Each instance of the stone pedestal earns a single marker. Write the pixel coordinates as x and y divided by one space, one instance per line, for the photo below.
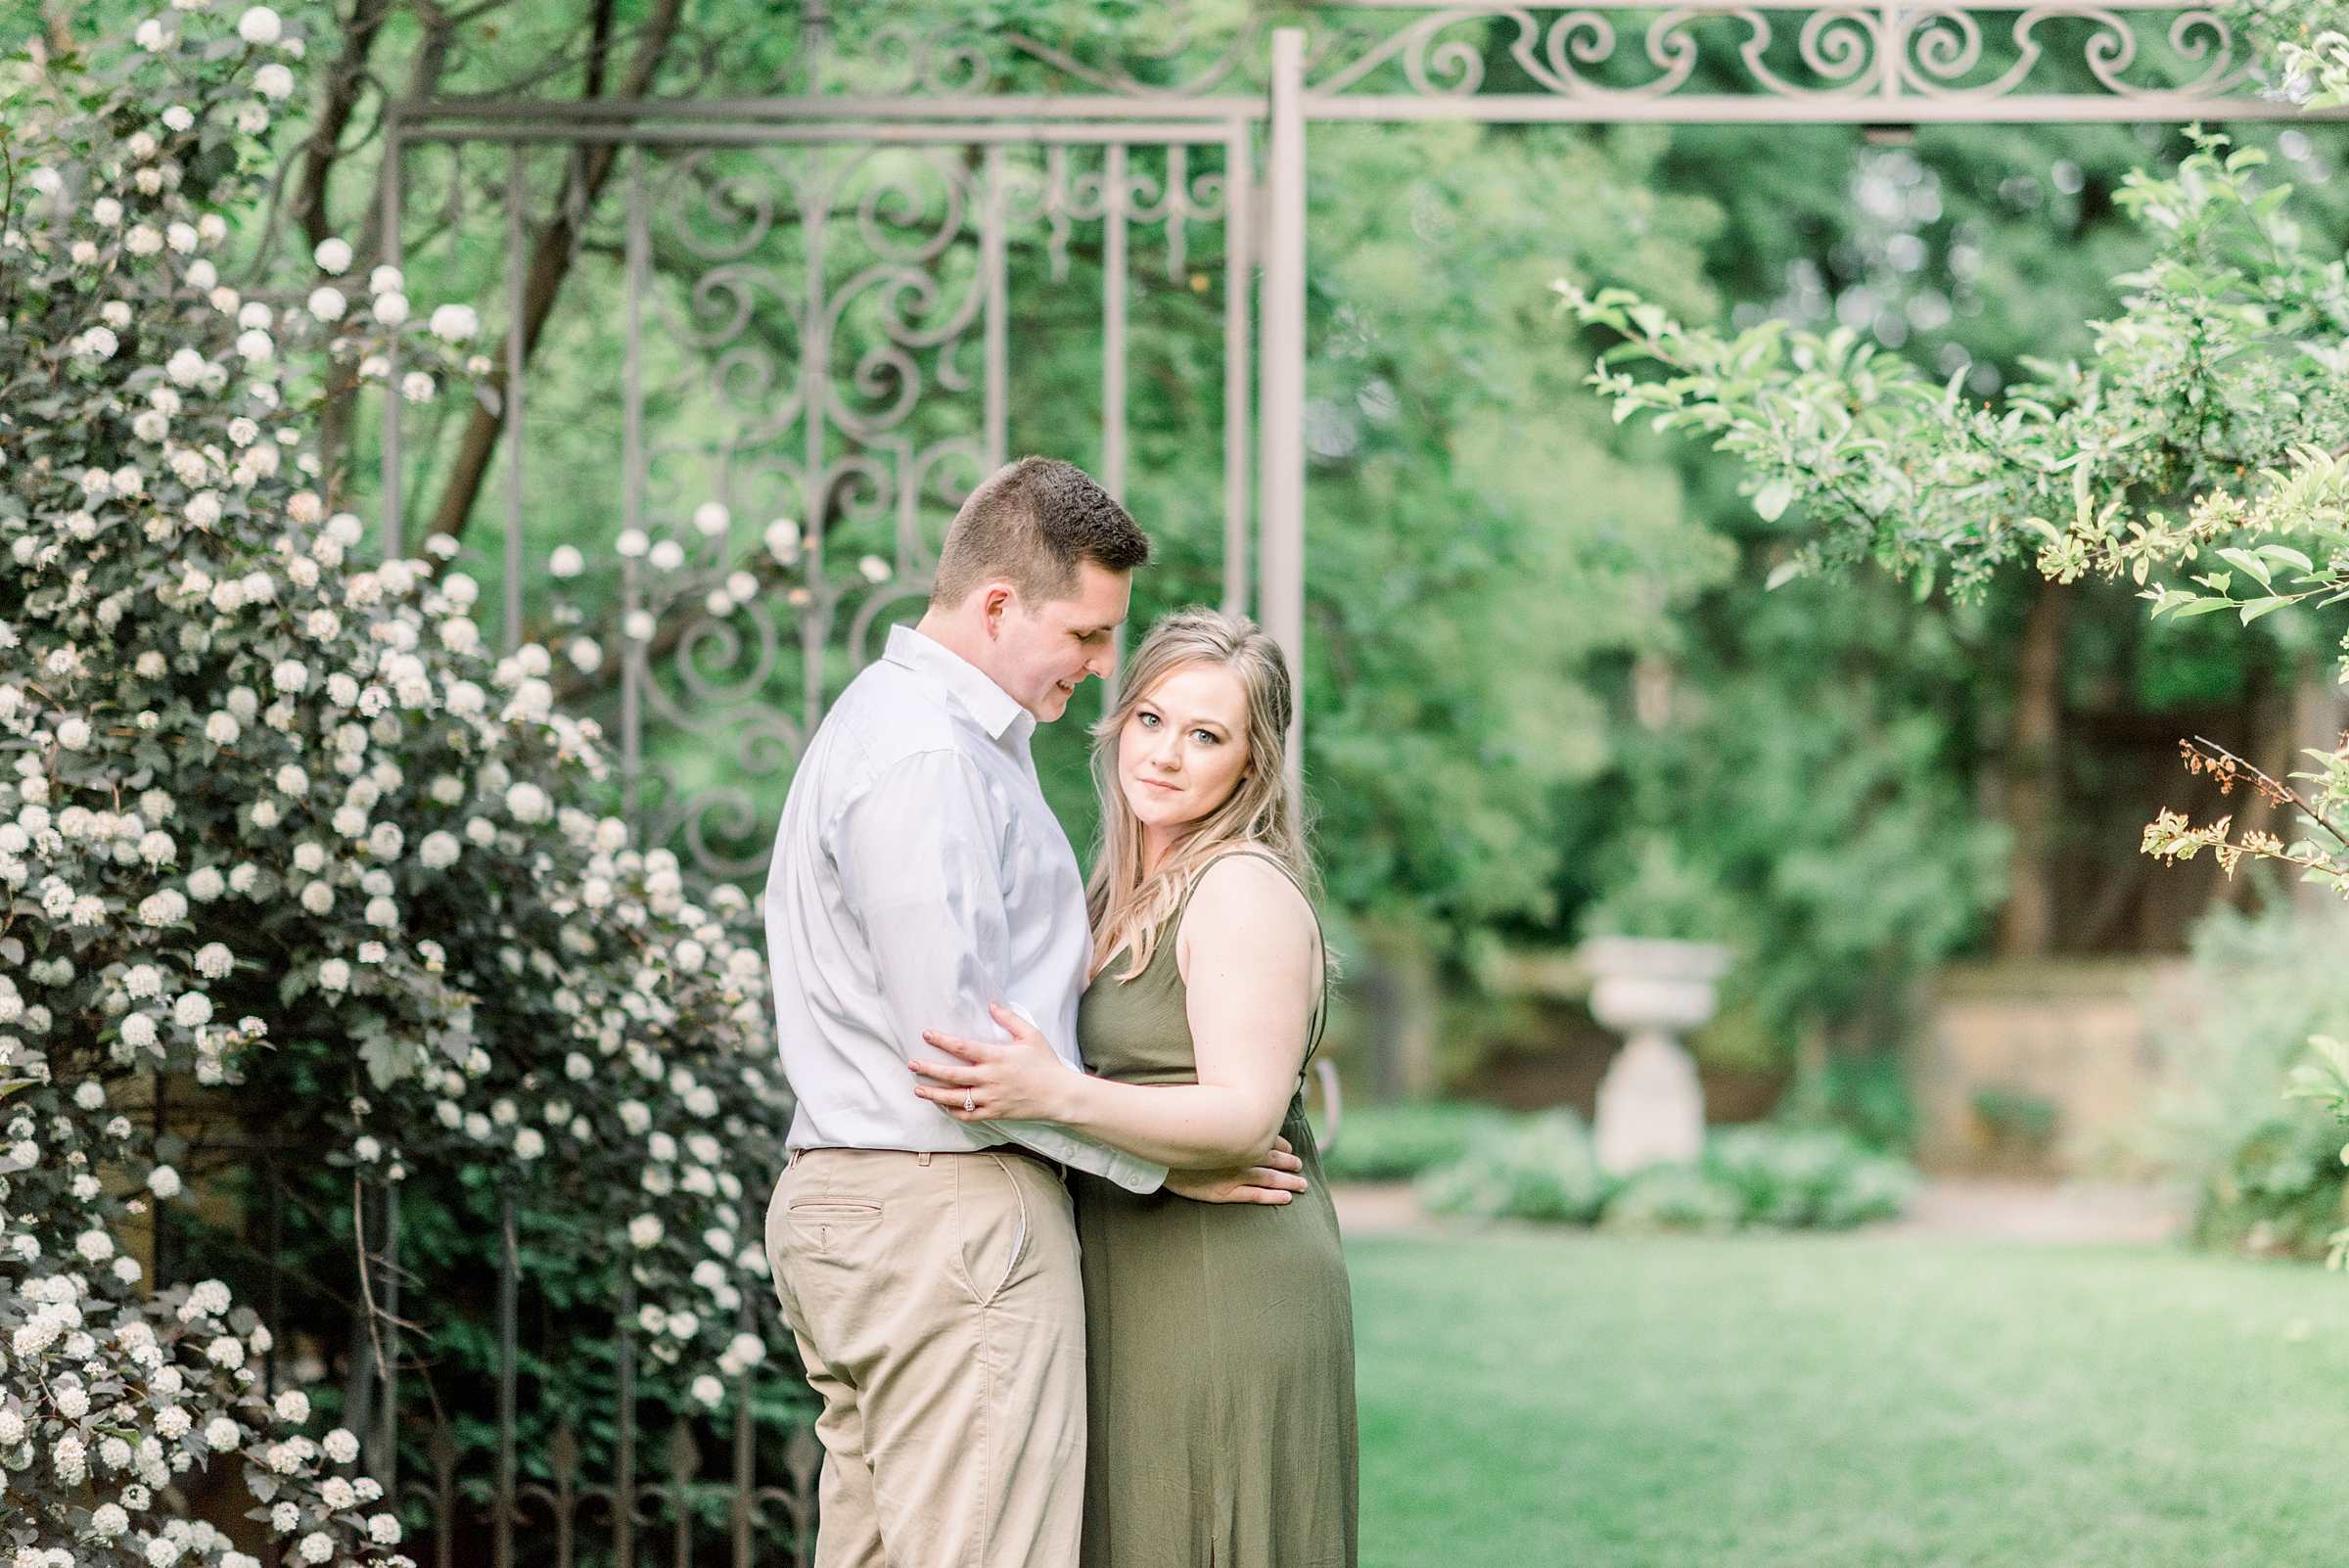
1651 1109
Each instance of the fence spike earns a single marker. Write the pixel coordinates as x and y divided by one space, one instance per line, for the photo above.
509 1288
441 1450
563 1455
684 1454
800 1456
685 1458
624 1473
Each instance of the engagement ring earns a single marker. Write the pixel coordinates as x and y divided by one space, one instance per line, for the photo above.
968 1104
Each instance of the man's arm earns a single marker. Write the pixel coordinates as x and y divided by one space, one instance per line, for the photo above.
1251 956
919 855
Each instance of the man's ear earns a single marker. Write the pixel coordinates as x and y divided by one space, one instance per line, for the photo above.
994 603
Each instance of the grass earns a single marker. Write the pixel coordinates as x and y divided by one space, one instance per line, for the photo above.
1584 1400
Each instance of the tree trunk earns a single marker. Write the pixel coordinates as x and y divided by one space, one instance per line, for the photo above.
549 263
345 80
2033 781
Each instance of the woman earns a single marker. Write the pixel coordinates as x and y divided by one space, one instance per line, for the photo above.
1219 1336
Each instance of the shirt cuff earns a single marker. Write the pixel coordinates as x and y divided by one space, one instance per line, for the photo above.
1053 1142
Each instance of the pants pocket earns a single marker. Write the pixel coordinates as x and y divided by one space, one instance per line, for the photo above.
819 1225
992 1212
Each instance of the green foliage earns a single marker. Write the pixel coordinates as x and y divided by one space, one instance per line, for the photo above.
1799 770
1791 1179
1850 454
1543 1167
2021 1123
2264 1167
2220 363
1815 824
1535 1168
2226 360
251 780
1477 539
1396 1142
1673 1197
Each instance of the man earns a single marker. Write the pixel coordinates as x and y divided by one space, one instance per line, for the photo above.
928 1269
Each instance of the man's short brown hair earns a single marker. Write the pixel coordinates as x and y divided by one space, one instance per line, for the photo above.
1028 523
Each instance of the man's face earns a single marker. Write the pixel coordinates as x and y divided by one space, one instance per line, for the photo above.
1042 651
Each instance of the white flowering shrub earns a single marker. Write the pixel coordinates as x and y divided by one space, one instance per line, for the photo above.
259 806
107 1400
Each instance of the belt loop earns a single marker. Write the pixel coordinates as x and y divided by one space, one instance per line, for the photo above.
922 1159
793 1158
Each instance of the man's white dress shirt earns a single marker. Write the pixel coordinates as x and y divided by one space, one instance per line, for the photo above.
919 876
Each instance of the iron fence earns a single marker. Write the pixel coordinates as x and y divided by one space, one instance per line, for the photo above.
642 1507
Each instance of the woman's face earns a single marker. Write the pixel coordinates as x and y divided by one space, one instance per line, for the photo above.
1185 746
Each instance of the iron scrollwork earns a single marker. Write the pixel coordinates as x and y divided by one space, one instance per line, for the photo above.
822 396
1930 49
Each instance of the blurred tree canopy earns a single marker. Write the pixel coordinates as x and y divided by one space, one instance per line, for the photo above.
1951 733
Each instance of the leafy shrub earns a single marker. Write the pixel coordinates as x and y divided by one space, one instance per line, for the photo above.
2021 1124
1673 1197
1540 1167
269 820
1397 1142
2265 1169
1543 1167
1791 1179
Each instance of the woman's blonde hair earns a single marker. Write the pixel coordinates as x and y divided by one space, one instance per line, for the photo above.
1127 908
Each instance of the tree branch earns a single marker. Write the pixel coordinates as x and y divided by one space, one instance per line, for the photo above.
550 263
345 80
424 79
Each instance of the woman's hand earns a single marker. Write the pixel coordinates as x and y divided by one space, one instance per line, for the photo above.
1019 1080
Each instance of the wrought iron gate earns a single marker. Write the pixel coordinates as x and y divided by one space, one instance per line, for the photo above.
830 333
815 296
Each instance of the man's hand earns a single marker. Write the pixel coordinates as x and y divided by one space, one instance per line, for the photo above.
1270 1183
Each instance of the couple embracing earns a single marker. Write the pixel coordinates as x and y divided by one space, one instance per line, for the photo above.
1053 1239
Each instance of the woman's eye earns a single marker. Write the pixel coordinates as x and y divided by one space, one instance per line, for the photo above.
1205 737
1149 720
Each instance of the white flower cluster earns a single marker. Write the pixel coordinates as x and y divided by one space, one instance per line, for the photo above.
253 786
160 535
117 1401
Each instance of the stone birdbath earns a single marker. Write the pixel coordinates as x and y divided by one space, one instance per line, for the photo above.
1651 1109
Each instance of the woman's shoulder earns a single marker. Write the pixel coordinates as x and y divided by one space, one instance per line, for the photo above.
1249 888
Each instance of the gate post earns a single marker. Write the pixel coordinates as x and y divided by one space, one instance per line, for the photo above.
1281 594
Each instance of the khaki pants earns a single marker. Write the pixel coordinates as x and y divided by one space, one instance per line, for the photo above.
939 1312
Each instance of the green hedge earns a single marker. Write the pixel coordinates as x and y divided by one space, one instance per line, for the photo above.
1485 1164
1397 1142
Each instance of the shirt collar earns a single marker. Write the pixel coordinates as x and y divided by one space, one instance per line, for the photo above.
985 701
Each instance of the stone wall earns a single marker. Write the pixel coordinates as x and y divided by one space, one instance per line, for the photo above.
2043 1067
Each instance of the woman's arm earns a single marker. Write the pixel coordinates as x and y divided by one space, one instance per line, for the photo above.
1251 958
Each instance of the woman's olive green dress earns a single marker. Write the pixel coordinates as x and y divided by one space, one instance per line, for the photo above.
1219 1337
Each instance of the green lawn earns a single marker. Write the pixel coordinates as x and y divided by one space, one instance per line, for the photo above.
1593 1401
